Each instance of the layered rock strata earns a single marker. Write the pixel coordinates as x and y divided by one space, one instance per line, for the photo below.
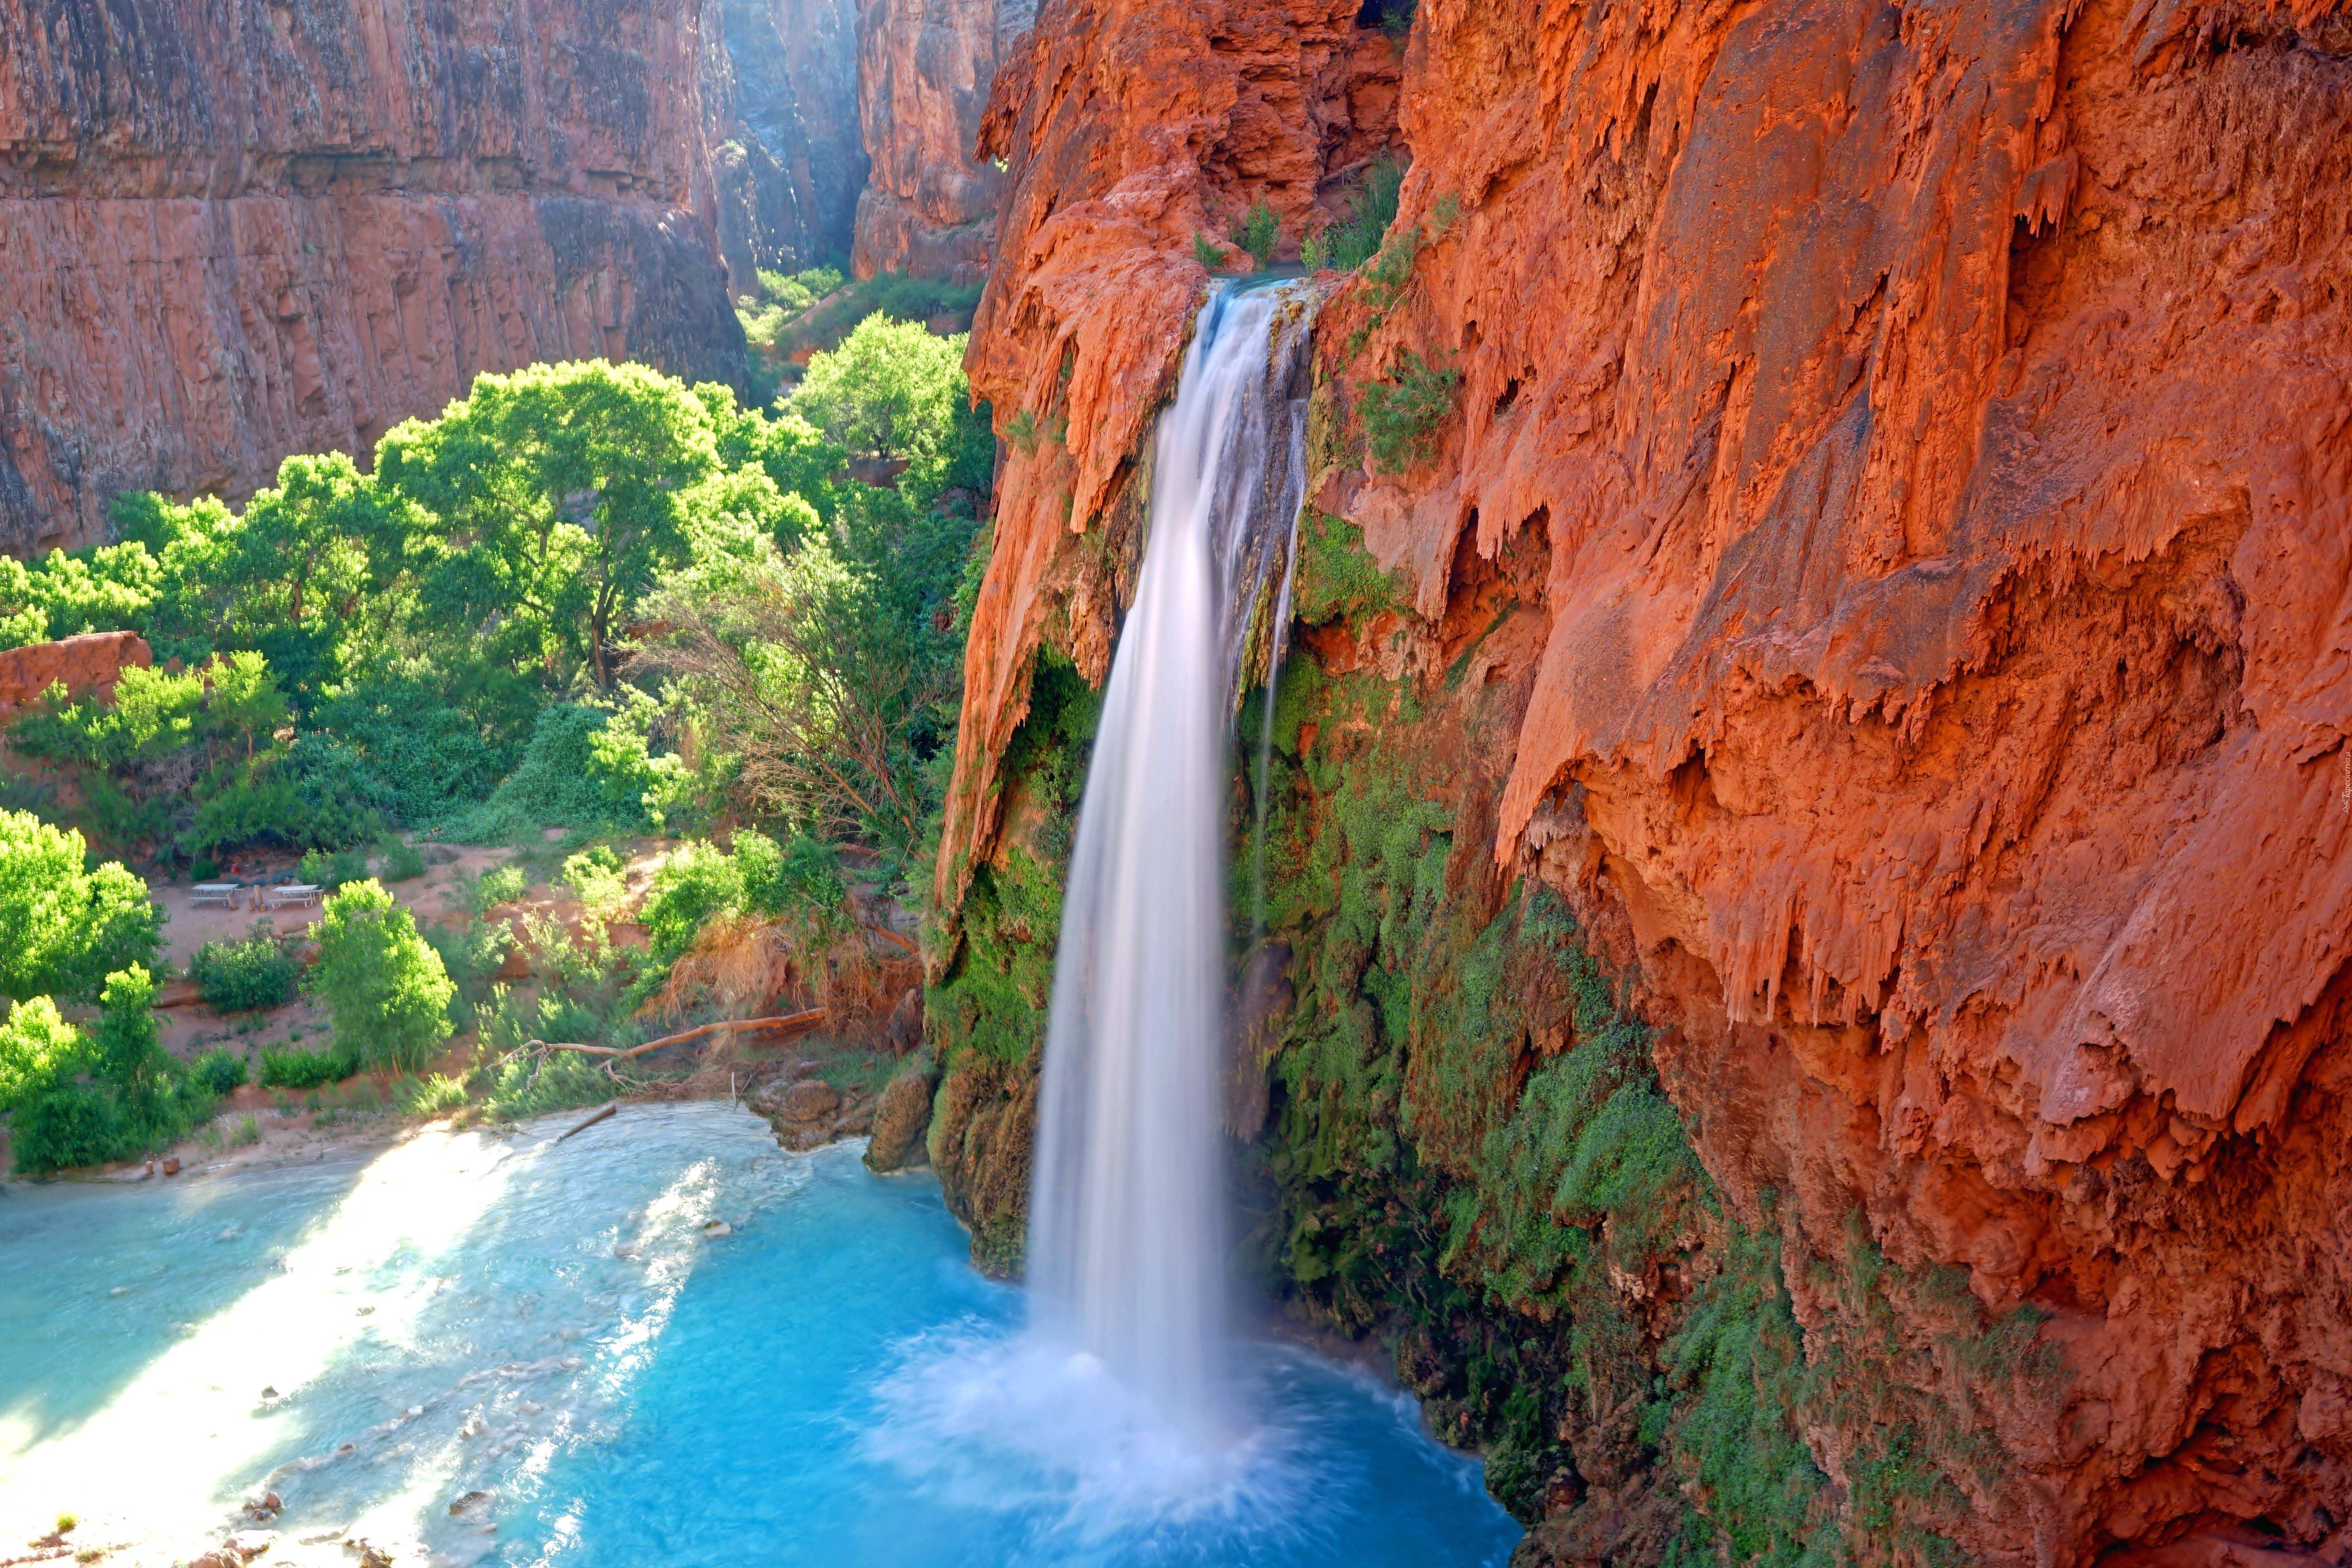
924 69
1893 476
788 153
228 233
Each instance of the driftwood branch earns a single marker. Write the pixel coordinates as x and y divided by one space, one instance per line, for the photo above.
896 940
614 1054
590 1122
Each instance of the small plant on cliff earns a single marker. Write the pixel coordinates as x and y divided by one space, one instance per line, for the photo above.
1401 416
1259 232
1356 239
1206 252
1395 17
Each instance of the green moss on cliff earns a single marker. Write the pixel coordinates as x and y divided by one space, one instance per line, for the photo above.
986 1018
1470 1155
1338 577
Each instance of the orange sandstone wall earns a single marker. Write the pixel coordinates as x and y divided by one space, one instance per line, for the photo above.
92 662
1938 421
230 232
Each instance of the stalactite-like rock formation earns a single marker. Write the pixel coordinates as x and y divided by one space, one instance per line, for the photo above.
231 232
1911 447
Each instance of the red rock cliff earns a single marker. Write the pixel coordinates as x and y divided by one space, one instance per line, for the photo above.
925 69
1938 421
231 232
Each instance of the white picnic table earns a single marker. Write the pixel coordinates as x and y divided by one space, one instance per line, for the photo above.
289 894
214 894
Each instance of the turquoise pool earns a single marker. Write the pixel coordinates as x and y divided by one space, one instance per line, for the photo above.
552 1328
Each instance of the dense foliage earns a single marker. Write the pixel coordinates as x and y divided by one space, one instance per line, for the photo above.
85 1097
235 976
446 641
383 985
66 925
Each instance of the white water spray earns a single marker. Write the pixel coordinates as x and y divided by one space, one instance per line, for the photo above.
1125 1236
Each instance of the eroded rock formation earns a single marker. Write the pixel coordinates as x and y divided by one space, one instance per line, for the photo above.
788 154
231 232
90 663
925 69
1888 566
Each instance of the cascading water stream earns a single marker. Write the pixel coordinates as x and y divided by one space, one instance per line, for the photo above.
1126 1238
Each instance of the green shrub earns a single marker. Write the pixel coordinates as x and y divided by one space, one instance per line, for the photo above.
237 976
1206 252
432 1096
498 885
383 987
562 782
471 955
333 870
112 1094
697 881
1401 416
399 861
301 1069
564 1080
598 878
1259 233
64 925
218 1071
1356 238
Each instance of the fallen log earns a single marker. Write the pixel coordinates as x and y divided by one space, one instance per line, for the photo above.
808 1020
897 939
590 1122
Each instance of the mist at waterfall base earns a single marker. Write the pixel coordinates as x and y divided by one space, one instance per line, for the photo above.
478 1312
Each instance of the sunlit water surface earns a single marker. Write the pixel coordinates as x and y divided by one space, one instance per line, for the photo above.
830 1384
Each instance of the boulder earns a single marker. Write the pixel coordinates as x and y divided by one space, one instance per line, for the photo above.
899 1123
811 1099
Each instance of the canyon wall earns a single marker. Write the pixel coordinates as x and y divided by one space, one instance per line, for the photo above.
779 87
1831 543
230 232
924 69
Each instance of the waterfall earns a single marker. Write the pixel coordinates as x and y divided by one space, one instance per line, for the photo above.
1126 1248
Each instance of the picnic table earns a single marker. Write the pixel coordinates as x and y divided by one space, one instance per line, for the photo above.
215 893
286 895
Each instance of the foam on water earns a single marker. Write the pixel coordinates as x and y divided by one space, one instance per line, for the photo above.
832 1385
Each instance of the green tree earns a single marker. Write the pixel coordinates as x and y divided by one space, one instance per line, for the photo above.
36 1045
560 493
888 394
383 985
64 925
80 1099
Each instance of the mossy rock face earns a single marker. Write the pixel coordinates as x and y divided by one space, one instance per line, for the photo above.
984 1126
1469 1155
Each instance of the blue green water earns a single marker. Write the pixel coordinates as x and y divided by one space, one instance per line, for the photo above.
831 1383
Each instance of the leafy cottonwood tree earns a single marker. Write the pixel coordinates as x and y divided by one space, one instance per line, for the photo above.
560 493
64 926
